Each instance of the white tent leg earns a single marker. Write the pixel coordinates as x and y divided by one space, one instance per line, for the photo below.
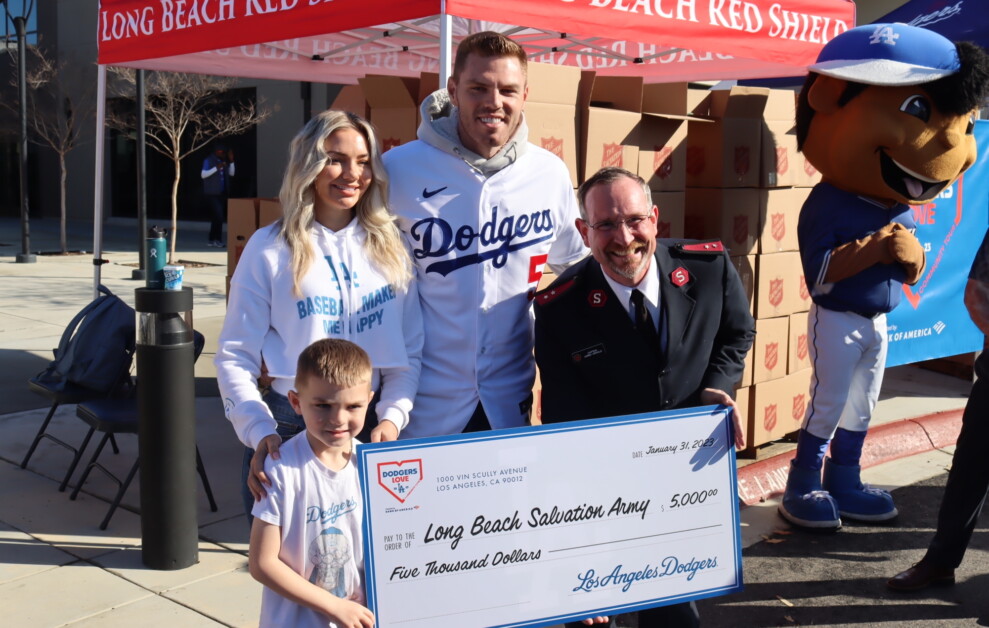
446 45
98 178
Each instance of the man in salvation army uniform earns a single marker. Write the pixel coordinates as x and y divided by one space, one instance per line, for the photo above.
887 116
641 325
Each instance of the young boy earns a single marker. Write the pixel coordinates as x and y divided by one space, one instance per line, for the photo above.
306 537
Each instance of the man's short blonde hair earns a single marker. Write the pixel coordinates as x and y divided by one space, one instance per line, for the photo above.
334 360
488 44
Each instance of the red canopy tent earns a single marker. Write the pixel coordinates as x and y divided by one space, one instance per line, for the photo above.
337 41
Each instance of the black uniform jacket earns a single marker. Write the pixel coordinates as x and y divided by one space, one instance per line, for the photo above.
592 362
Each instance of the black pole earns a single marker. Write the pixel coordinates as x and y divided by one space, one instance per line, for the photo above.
166 441
306 93
20 25
142 188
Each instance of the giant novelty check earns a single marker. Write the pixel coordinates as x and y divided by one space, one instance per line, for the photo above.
540 525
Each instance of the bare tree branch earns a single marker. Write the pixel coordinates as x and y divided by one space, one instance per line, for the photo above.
185 112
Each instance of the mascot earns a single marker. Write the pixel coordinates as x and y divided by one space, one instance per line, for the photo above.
887 116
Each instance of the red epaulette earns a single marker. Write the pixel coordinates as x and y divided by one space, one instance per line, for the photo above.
549 294
711 246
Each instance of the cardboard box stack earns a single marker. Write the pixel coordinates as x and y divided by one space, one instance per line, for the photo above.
746 183
244 217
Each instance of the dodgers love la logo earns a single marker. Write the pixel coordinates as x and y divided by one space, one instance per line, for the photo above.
400 478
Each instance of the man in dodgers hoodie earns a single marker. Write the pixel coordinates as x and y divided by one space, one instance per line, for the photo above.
484 212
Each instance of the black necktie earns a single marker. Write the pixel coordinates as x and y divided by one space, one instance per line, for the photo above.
643 321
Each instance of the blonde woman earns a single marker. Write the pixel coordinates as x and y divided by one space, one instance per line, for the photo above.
334 266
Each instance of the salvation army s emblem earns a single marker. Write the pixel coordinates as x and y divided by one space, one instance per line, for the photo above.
400 478
802 346
680 276
597 298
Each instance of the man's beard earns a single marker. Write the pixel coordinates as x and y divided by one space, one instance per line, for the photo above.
627 270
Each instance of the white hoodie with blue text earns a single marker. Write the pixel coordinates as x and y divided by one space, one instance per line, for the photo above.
343 296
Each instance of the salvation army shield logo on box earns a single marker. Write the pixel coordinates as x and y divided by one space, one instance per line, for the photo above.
662 163
740 229
804 293
775 292
663 229
799 407
400 478
553 145
802 347
389 143
771 359
779 226
769 417
809 168
611 156
782 160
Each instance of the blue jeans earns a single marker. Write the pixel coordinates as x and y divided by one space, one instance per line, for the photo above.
288 425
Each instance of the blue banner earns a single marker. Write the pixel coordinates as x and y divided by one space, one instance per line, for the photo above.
931 321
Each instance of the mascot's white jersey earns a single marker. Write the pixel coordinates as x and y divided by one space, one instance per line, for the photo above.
480 245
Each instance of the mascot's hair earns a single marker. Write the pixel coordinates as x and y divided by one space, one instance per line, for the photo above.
956 94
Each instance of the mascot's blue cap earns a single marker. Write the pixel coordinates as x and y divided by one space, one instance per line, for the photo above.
888 54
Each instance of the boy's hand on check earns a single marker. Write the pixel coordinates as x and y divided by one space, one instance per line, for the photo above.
590 621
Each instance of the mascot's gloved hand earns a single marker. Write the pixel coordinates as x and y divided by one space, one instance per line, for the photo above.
908 251
853 257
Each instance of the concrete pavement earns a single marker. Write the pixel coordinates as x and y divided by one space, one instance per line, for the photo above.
58 569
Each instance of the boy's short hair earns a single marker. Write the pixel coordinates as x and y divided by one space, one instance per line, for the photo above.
334 360
488 44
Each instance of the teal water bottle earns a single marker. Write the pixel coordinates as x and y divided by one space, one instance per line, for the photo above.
154 265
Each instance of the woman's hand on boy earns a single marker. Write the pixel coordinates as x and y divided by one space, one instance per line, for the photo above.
256 479
384 432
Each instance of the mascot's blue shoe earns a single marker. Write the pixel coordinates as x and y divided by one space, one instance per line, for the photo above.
856 500
805 504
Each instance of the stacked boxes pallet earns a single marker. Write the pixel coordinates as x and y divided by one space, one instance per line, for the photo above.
746 183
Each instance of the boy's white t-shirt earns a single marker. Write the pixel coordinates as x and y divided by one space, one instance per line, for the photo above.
320 514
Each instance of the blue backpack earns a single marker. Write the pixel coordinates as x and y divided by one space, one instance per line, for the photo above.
96 349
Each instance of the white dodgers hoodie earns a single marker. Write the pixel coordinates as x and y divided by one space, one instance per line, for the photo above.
343 296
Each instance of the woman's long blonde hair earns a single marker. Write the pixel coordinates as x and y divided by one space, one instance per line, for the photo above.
307 157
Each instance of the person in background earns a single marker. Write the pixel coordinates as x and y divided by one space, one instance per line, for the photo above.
333 266
484 211
218 169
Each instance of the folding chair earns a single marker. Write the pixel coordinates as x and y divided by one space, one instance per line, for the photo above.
119 416
69 394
